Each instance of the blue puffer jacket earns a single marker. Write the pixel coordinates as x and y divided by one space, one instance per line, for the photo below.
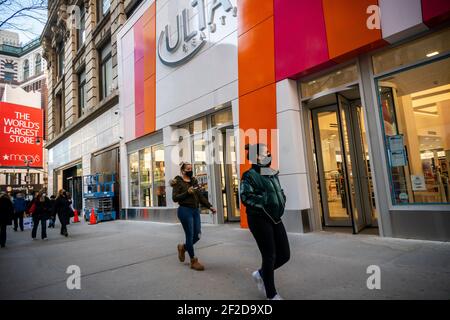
20 205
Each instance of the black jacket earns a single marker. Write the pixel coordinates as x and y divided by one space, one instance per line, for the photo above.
6 211
42 208
62 209
181 195
262 194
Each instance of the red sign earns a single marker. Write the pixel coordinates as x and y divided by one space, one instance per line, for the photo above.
20 129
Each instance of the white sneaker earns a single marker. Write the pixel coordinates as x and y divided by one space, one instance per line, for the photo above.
259 282
277 297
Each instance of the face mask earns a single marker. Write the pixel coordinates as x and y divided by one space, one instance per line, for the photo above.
189 173
266 161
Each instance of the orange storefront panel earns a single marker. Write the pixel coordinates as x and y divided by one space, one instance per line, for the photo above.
256 57
150 48
252 12
346 27
145 70
150 104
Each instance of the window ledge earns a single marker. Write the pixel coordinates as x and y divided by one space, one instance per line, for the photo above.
103 21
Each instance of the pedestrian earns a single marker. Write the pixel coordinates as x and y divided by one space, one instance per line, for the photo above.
52 218
63 210
6 216
20 206
264 199
40 214
188 194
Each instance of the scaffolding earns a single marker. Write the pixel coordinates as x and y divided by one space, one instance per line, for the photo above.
99 195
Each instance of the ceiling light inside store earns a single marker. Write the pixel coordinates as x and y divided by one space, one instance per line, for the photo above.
432 54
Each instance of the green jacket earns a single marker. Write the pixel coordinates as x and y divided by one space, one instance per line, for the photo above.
262 194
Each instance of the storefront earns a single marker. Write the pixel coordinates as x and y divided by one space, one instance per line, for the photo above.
92 148
375 119
178 105
352 105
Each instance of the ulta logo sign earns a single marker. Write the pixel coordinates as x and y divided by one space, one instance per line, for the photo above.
174 51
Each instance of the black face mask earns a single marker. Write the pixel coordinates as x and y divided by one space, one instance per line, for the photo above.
266 161
189 174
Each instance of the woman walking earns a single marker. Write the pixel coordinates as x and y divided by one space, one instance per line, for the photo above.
264 200
6 216
187 193
40 214
63 210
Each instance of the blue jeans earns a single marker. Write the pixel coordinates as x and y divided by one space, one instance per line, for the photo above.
190 220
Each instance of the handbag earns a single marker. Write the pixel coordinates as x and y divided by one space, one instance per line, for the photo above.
32 208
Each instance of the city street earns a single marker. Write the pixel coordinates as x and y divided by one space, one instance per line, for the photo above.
138 260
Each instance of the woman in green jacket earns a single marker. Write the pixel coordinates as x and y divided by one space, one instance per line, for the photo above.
264 199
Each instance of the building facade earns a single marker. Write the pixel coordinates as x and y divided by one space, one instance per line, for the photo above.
21 65
22 82
79 42
351 97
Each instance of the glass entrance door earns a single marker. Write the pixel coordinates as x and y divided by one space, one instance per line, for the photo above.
342 163
331 168
229 183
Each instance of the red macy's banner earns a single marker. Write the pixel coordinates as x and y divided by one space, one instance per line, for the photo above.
19 128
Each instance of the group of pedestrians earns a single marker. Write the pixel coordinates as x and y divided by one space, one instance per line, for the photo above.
40 207
264 199
260 192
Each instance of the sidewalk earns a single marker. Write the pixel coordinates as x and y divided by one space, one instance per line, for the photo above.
138 260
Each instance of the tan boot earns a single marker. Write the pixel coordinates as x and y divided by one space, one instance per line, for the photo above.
196 265
181 252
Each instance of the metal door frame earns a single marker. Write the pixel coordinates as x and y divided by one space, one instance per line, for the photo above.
355 152
320 168
363 173
228 176
359 166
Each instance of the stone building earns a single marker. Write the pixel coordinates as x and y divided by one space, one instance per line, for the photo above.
79 42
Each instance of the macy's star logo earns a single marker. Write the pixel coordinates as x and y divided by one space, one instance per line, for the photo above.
5 157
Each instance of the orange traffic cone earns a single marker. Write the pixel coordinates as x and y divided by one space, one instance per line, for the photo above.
92 218
75 216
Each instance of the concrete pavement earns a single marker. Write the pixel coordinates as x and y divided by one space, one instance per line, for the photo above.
138 260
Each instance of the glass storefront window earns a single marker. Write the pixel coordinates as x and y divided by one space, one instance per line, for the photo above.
145 176
134 179
422 49
159 184
147 179
221 118
415 111
329 81
200 165
196 126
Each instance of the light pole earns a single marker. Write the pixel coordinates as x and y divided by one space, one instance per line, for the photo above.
28 162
